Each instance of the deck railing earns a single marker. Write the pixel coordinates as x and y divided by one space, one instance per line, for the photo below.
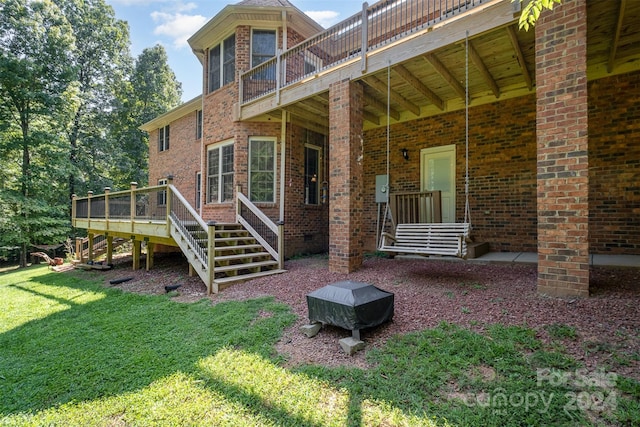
262 228
416 207
190 224
374 27
137 204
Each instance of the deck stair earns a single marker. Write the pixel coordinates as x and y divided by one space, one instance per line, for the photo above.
238 256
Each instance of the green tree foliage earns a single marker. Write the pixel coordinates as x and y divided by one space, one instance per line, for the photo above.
101 61
71 101
151 91
531 12
36 88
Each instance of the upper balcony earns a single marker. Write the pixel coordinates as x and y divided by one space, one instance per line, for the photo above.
414 53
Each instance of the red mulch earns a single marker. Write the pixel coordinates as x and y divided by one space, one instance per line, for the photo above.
428 292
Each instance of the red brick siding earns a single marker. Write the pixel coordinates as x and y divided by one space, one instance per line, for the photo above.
502 164
182 159
346 183
614 165
306 226
563 160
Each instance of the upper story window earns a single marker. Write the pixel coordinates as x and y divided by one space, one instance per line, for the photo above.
163 138
220 173
199 124
222 63
263 46
262 169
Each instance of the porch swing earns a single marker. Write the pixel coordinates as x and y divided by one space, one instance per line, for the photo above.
432 238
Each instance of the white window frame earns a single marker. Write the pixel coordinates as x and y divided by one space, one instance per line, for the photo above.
223 78
220 174
273 171
163 138
198 125
162 194
198 188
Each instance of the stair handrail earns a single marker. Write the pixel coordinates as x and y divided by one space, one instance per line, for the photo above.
276 252
173 217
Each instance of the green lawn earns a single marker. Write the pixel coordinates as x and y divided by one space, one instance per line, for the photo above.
73 353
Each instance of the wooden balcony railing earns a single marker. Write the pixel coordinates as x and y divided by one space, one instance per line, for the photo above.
416 207
350 40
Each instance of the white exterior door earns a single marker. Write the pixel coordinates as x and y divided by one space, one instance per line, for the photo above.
438 172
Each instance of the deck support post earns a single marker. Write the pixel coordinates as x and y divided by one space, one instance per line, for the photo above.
90 256
150 247
109 249
137 251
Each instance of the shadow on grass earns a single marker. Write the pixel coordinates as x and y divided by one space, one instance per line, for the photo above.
119 343
104 342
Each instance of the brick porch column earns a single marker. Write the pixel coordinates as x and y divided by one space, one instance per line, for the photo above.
563 152
346 176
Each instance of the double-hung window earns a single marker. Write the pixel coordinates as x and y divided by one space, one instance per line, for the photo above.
262 169
163 138
220 173
162 194
198 124
263 48
222 63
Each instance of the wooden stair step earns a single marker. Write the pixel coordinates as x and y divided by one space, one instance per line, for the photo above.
243 277
237 248
245 266
247 255
234 239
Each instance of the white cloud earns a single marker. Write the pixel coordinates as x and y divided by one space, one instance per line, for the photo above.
326 18
176 25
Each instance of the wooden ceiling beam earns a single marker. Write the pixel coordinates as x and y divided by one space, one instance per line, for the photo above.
446 74
381 87
415 83
370 117
513 36
314 106
307 115
484 71
616 38
381 107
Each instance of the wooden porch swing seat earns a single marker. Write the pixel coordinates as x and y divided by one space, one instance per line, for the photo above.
446 239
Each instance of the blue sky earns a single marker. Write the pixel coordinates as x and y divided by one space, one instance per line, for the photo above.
170 23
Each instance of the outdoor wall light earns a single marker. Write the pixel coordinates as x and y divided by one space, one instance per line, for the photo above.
405 153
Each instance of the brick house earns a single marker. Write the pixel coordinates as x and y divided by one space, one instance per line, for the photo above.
304 121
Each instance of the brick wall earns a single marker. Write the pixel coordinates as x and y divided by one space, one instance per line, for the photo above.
346 184
563 157
306 226
614 164
182 159
502 169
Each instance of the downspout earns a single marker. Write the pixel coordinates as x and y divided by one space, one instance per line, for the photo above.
283 151
283 124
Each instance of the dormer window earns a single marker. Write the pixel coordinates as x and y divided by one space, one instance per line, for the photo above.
263 46
222 63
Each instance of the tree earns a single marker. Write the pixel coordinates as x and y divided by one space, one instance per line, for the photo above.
531 12
101 61
36 85
151 91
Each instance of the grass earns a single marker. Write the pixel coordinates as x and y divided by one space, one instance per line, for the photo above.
77 354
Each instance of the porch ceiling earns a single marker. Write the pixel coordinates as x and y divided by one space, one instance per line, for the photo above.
501 66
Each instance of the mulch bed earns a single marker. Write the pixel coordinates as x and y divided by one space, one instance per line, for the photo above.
428 292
